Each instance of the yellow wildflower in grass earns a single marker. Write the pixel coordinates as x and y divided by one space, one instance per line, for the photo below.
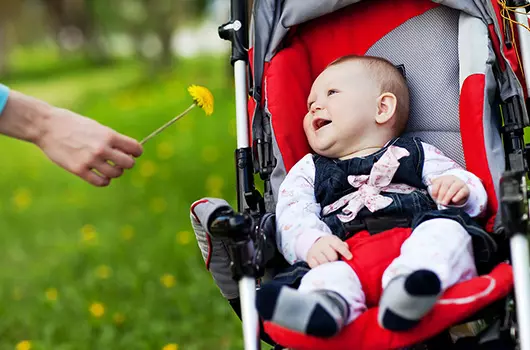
165 150
210 154
127 232
103 272
51 294
118 318
158 205
171 346
147 169
168 280
22 199
23 345
89 234
202 98
97 309
183 237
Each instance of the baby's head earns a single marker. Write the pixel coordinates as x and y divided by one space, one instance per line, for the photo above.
356 103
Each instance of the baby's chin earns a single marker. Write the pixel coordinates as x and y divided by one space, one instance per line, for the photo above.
325 149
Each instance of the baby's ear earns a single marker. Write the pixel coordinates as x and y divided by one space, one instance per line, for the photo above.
386 107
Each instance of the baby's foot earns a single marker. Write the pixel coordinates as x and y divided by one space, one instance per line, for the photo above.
321 314
406 299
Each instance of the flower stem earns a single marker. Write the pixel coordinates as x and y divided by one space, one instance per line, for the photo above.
160 129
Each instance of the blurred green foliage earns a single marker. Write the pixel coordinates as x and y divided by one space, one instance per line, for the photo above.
116 268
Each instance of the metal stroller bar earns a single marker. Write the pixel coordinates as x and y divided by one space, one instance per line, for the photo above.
237 227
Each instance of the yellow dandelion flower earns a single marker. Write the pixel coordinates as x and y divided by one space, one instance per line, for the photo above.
89 234
118 318
97 309
103 272
158 205
168 280
171 346
127 232
22 198
184 237
210 154
147 169
202 97
164 150
23 345
51 294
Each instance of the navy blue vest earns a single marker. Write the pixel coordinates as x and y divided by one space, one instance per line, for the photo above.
331 183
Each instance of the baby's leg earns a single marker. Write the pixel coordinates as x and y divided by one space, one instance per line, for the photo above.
437 255
329 296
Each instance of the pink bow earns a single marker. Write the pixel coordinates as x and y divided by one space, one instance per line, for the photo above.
369 187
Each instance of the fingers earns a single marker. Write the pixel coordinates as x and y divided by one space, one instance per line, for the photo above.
94 179
451 191
435 188
318 258
330 253
461 196
444 187
108 170
342 248
120 159
126 144
327 249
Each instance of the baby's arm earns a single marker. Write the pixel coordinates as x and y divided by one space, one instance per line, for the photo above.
298 223
440 173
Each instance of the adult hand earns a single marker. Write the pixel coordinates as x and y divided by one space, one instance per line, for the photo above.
81 145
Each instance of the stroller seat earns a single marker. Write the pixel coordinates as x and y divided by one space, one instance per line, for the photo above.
451 60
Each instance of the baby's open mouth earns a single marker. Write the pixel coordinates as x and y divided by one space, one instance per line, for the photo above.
319 123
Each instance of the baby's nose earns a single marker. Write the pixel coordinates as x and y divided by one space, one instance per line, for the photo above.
315 108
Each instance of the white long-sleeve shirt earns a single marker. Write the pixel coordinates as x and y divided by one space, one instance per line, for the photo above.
298 213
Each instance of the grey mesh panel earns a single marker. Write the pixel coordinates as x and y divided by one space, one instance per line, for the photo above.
432 70
299 11
449 142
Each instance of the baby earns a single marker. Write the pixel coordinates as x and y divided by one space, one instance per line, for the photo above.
357 108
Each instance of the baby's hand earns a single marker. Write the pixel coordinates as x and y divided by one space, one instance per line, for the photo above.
327 249
449 189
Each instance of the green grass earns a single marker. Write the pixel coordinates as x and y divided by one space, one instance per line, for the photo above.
113 246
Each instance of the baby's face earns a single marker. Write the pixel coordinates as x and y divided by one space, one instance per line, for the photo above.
342 106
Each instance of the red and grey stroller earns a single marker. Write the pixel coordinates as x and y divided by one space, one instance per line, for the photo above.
464 62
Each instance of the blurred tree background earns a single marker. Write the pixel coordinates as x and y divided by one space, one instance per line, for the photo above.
100 30
115 268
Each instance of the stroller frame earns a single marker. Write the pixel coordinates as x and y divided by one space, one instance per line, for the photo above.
249 248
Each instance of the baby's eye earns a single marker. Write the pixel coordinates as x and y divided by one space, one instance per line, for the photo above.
331 92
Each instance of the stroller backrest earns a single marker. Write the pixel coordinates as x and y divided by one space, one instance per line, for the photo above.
448 61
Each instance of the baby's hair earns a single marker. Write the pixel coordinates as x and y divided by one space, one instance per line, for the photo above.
390 79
